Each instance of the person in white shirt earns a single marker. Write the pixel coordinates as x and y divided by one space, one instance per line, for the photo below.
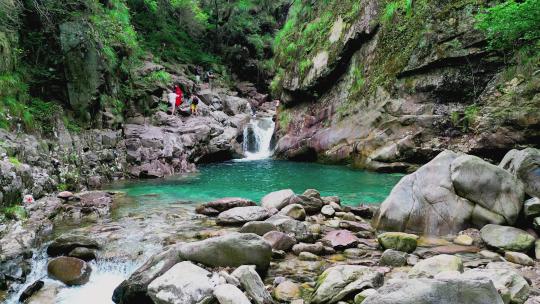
172 101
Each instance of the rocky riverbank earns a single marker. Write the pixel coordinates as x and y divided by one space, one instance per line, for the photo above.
307 248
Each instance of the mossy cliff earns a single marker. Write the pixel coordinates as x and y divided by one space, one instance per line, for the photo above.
386 85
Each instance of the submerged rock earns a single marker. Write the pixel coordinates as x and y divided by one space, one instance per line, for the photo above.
436 291
344 281
184 283
507 238
68 270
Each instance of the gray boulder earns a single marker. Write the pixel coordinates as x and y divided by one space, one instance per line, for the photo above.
223 204
258 227
449 194
184 283
288 225
277 199
252 284
312 203
506 238
230 294
64 244
512 287
430 267
241 215
230 250
393 258
436 291
294 211
279 240
531 208
316 248
525 165
344 281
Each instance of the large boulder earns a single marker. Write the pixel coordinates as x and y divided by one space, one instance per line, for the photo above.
436 291
277 199
506 238
252 284
230 294
64 244
68 270
258 227
134 289
312 203
449 194
430 267
223 204
230 250
512 287
184 283
525 165
344 281
241 215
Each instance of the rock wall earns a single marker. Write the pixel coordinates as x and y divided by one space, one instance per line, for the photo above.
388 92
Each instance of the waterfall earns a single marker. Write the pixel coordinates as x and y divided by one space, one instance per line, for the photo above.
258 138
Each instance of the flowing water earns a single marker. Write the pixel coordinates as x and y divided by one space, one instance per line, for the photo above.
155 211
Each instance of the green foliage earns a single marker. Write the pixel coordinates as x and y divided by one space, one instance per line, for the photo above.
14 161
305 65
284 119
161 77
511 24
15 212
358 80
389 11
62 187
71 125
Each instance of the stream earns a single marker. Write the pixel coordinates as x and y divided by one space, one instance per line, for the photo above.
155 213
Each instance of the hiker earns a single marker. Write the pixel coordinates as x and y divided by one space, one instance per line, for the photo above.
172 100
209 77
179 96
194 104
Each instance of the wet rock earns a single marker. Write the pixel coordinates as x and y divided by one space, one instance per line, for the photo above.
31 290
428 268
506 238
287 291
448 194
134 289
518 258
328 211
230 294
525 165
184 283
241 215
512 287
252 284
288 225
83 253
64 244
231 250
434 291
316 248
46 295
464 240
398 241
344 281
339 239
312 204
279 240
531 208
258 227
359 298
393 258
277 199
294 211
223 204
68 270
307 256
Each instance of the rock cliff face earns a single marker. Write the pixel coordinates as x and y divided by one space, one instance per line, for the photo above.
389 88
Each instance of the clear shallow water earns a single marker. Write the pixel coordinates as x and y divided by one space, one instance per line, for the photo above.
254 179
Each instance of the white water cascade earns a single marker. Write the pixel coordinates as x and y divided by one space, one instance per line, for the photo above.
258 138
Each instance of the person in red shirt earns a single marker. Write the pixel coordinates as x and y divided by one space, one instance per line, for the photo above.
179 96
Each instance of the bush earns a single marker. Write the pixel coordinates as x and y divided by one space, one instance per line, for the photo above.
511 24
